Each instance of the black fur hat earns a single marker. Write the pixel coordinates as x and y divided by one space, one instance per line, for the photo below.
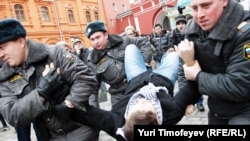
11 29
94 27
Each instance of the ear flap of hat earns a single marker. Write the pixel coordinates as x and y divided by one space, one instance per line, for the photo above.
11 29
94 27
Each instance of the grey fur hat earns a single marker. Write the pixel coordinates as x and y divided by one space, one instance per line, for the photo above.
11 29
94 27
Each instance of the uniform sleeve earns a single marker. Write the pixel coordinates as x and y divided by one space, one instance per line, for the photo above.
108 121
234 84
22 111
174 107
81 78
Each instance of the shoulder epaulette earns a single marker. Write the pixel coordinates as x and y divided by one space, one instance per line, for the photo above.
243 26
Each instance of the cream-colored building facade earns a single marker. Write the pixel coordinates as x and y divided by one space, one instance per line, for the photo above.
50 21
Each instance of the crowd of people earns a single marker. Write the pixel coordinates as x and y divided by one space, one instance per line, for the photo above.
56 87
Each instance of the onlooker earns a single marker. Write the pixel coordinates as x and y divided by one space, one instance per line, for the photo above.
215 53
41 84
176 37
107 56
80 50
160 41
131 32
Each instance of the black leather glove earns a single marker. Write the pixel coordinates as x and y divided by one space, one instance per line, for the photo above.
62 112
59 96
49 84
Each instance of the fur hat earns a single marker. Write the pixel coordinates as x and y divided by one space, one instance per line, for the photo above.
180 18
94 27
11 29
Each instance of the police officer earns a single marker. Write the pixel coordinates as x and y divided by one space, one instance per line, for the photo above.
107 56
42 84
216 57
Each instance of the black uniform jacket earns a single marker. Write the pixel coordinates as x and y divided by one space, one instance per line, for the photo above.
222 55
110 121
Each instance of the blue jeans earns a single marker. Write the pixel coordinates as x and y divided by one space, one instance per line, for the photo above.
135 65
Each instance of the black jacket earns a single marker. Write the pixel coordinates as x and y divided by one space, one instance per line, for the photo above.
110 121
222 57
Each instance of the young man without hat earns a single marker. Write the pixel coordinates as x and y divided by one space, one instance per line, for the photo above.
41 84
107 56
160 42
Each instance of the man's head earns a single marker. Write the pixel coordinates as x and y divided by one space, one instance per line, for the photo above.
77 44
97 34
207 13
130 31
142 113
158 29
65 45
13 48
180 21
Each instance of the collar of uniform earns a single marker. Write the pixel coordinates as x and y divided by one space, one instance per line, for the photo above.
37 52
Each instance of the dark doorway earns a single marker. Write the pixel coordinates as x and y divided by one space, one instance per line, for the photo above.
166 24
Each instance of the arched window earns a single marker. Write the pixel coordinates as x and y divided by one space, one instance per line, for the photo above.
71 16
45 14
19 12
96 16
88 16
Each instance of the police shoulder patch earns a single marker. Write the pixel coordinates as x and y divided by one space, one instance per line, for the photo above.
69 56
246 51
